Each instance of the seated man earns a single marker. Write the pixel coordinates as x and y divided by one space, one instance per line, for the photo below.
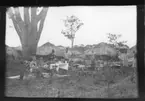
52 54
33 65
41 62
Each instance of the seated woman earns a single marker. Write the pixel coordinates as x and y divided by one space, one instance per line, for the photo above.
41 62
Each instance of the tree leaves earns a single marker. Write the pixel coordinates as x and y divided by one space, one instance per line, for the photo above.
68 35
72 24
113 39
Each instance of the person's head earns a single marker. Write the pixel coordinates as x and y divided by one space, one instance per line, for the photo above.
67 50
53 51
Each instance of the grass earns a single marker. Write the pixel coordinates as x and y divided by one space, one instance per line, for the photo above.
71 86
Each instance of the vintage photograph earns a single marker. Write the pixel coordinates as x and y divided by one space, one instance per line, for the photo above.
71 52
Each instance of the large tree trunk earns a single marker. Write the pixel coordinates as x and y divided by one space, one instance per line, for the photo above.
27 29
29 50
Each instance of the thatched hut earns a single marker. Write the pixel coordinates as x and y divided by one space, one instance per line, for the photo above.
103 52
102 49
47 49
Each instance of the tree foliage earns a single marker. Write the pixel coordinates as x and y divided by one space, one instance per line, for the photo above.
72 25
113 39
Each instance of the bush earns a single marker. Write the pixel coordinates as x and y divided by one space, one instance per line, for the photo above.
109 75
79 62
126 71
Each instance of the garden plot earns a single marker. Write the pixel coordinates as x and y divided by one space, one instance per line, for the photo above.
76 83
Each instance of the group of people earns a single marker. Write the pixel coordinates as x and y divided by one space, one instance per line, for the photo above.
53 63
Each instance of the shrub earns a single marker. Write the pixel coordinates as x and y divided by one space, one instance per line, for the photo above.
127 70
109 74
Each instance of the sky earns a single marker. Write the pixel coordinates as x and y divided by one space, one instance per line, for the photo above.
98 21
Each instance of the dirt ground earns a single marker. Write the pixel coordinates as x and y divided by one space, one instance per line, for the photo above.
75 86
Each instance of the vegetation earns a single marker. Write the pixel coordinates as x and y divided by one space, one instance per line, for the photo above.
113 39
106 83
72 25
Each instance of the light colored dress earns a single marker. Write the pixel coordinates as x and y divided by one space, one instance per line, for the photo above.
134 62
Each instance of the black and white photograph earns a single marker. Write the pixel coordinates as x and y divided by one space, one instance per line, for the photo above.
71 52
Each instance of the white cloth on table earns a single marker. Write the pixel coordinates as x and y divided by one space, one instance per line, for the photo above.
59 65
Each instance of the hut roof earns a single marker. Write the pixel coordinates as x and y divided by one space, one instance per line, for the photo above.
102 49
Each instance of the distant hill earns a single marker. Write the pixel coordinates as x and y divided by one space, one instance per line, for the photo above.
101 44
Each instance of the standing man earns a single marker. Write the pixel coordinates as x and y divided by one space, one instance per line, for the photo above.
124 59
134 60
93 63
53 54
66 53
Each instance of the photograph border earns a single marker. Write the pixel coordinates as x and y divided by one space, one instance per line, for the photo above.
140 58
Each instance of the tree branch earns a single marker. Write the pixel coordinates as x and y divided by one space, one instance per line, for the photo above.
15 23
40 28
33 13
18 16
42 14
27 19
16 26
26 16
18 19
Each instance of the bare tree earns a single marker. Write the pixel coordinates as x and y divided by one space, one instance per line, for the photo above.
72 24
28 29
113 39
